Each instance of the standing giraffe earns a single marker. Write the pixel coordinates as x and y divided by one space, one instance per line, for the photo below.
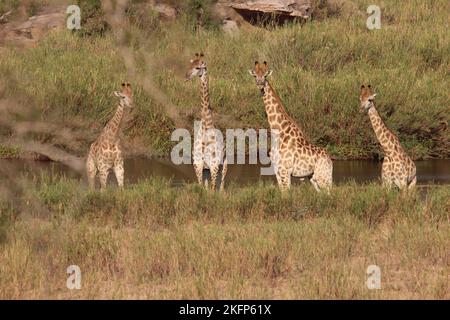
293 154
398 169
105 153
208 150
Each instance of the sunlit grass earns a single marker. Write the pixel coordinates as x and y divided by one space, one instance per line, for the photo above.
318 69
151 240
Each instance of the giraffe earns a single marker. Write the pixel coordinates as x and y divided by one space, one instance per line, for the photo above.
105 153
398 169
208 150
293 155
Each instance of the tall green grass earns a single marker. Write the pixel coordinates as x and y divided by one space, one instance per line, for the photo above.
318 69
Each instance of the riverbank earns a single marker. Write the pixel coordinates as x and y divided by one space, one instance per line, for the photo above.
60 93
429 172
151 240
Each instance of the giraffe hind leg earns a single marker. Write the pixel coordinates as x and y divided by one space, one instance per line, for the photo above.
412 183
315 184
224 173
119 172
322 178
103 179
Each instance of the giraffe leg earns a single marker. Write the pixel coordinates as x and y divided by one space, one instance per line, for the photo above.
285 179
387 182
214 171
315 184
413 182
224 173
386 174
119 171
322 178
103 178
91 170
199 172
400 182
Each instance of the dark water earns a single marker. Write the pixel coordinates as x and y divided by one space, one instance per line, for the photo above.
361 171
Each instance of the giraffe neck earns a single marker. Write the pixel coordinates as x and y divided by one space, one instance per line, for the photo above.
206 113
388 141
273 106
112 128
275 111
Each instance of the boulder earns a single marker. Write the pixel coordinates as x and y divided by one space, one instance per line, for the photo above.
280 10
4 17
27 33
230 27
165 11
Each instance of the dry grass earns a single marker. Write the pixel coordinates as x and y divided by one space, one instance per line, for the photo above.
154 241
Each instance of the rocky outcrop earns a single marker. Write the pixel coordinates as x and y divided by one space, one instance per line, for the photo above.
4 17
165 11
27 33
279 10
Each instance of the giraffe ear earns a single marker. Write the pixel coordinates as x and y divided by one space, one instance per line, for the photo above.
252 73
269 72
117 94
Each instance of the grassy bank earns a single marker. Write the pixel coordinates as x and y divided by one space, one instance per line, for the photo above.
318 68
154 241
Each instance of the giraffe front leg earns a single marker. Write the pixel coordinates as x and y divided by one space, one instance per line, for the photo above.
199 172
119 172
401 182
214 172
103 179
386 174
284 181
387 182
91 170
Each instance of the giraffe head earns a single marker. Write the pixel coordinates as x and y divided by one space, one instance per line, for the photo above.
197 67
125 96
261 72
366 98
